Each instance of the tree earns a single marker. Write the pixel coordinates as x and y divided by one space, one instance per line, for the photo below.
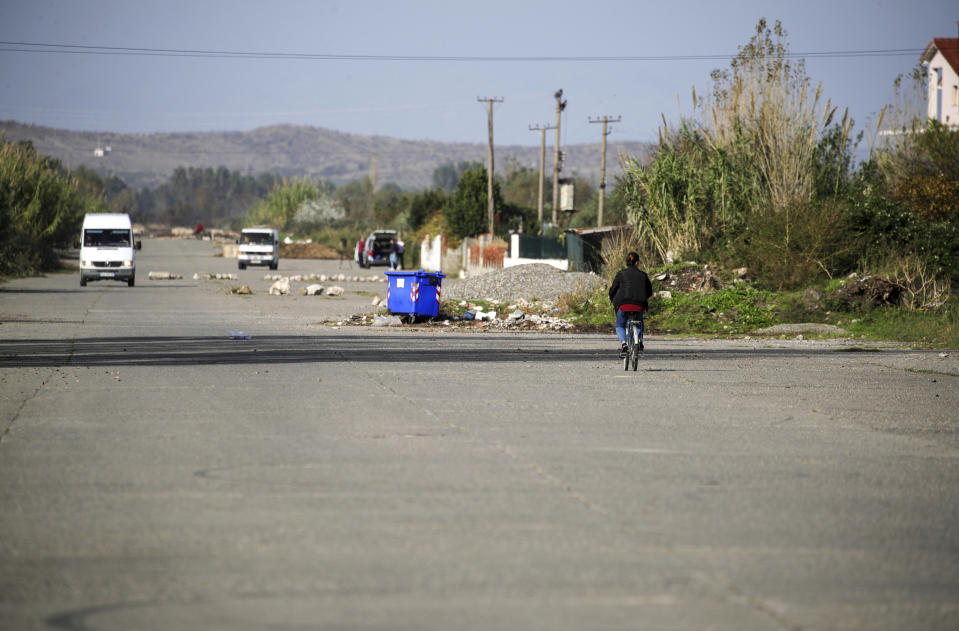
447 176
388 203
283 204
424 204
41 208
356 198
466 211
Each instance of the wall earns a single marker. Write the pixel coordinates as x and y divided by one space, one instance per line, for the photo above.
949 85
514 257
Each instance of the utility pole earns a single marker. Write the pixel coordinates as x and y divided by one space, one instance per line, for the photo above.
489 176
602 166
542 167
560 106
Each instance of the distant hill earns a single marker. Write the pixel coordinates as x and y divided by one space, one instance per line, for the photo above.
147 160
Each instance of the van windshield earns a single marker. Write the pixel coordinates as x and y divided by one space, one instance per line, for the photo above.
257 238
106 238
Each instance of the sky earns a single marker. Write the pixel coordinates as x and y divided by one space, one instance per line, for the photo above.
427 63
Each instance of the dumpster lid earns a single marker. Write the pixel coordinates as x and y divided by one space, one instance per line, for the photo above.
417 273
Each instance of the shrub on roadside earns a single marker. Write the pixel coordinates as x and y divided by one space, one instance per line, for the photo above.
41 209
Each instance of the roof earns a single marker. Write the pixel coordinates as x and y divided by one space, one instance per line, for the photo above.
600 230
948 46
106 220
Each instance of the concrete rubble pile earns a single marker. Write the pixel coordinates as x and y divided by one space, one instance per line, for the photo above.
163 276
211 276
324 278
280 287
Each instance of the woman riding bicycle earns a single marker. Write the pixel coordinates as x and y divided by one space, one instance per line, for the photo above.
629 294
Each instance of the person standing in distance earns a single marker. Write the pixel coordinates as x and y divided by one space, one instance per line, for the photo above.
629 294
392 253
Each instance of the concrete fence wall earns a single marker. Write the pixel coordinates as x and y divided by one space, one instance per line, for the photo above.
473 257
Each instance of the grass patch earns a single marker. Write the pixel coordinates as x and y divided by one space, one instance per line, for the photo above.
737 309
933 329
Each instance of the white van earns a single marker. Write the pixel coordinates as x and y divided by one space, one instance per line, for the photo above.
107 248
259 246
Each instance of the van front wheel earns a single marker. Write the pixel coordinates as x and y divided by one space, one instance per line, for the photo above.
83 281
132 281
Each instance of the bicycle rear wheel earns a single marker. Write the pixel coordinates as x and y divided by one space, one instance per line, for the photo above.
629 345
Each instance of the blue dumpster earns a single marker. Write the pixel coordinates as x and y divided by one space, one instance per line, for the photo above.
414 293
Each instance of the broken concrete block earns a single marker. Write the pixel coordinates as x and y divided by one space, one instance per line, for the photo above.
163 276
314 290
280 287
335 290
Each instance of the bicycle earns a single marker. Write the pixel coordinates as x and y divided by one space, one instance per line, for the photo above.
635 327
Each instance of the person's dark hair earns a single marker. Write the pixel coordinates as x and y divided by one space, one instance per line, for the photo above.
632 259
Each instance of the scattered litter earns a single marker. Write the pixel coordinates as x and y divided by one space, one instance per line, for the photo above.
390 320
943 355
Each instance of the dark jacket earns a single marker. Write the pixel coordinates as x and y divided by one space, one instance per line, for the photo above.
631 287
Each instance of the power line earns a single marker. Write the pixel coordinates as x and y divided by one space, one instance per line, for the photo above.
82 49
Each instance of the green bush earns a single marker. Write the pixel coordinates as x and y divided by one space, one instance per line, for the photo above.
884 225
801 244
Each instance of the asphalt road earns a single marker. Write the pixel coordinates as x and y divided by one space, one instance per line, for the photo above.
155 474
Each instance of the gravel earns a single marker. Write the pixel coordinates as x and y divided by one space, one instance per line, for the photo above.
535 281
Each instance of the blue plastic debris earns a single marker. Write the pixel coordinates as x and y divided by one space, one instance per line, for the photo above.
240 335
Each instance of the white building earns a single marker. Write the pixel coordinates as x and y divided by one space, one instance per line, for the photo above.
942 59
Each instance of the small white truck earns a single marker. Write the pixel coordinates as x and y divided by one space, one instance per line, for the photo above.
107 250
258 246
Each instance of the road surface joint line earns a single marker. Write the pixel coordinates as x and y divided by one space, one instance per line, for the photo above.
23 404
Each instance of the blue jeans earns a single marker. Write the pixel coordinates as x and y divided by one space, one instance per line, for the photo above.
622 317
392 260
